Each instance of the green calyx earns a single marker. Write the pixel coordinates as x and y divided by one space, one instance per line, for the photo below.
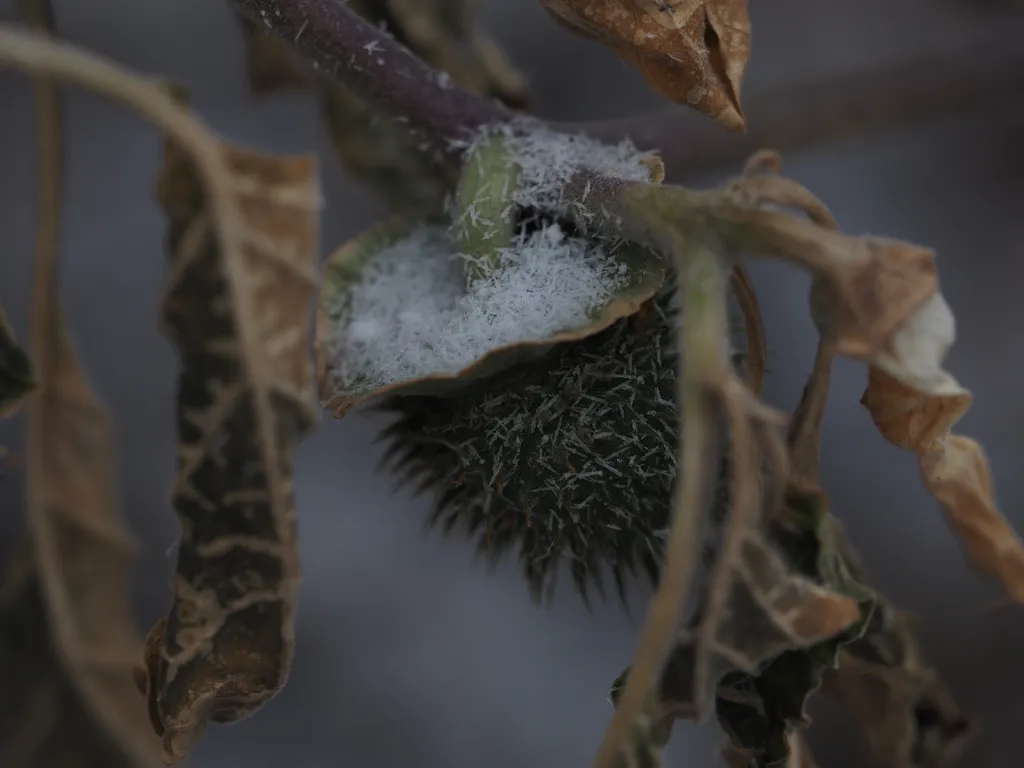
486 215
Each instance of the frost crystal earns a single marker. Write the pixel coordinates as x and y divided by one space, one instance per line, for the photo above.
549 159
411 314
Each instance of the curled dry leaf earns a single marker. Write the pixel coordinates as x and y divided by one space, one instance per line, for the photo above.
765 662
692 51
343 276
761 712
866 288
67 638
17 378
82 552
914 403
245 399
906 712
808 604
45 720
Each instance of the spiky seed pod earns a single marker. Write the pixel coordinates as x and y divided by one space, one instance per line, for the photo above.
571 457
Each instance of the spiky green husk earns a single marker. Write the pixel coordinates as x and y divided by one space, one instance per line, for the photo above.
571 457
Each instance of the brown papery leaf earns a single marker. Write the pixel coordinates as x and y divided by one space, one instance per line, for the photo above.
245 399
82 552
45 721
68 639
867 287
771 609
908 716
915 403
692 51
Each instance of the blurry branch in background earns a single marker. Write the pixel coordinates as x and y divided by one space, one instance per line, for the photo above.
980 72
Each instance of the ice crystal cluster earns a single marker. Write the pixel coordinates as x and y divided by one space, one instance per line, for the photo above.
412 315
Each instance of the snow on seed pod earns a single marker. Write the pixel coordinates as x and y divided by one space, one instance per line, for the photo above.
396 314
426 306
569 458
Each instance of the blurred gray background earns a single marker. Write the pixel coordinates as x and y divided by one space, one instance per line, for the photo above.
409 654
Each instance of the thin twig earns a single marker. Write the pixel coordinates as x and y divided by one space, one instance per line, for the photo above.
804 437
703 344
46 323
753 326
39 15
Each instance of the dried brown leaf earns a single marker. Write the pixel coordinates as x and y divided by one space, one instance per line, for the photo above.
68 629
906 712
69 638
915 403
45 721
867 288
771 609
756 605
692 51
83 553
237 307
242 329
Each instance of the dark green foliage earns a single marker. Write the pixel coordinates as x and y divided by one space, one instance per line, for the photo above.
573 456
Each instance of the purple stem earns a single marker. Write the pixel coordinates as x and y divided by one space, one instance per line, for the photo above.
983 68
378 69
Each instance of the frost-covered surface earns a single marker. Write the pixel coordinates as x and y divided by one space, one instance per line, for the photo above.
411 315
549 159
